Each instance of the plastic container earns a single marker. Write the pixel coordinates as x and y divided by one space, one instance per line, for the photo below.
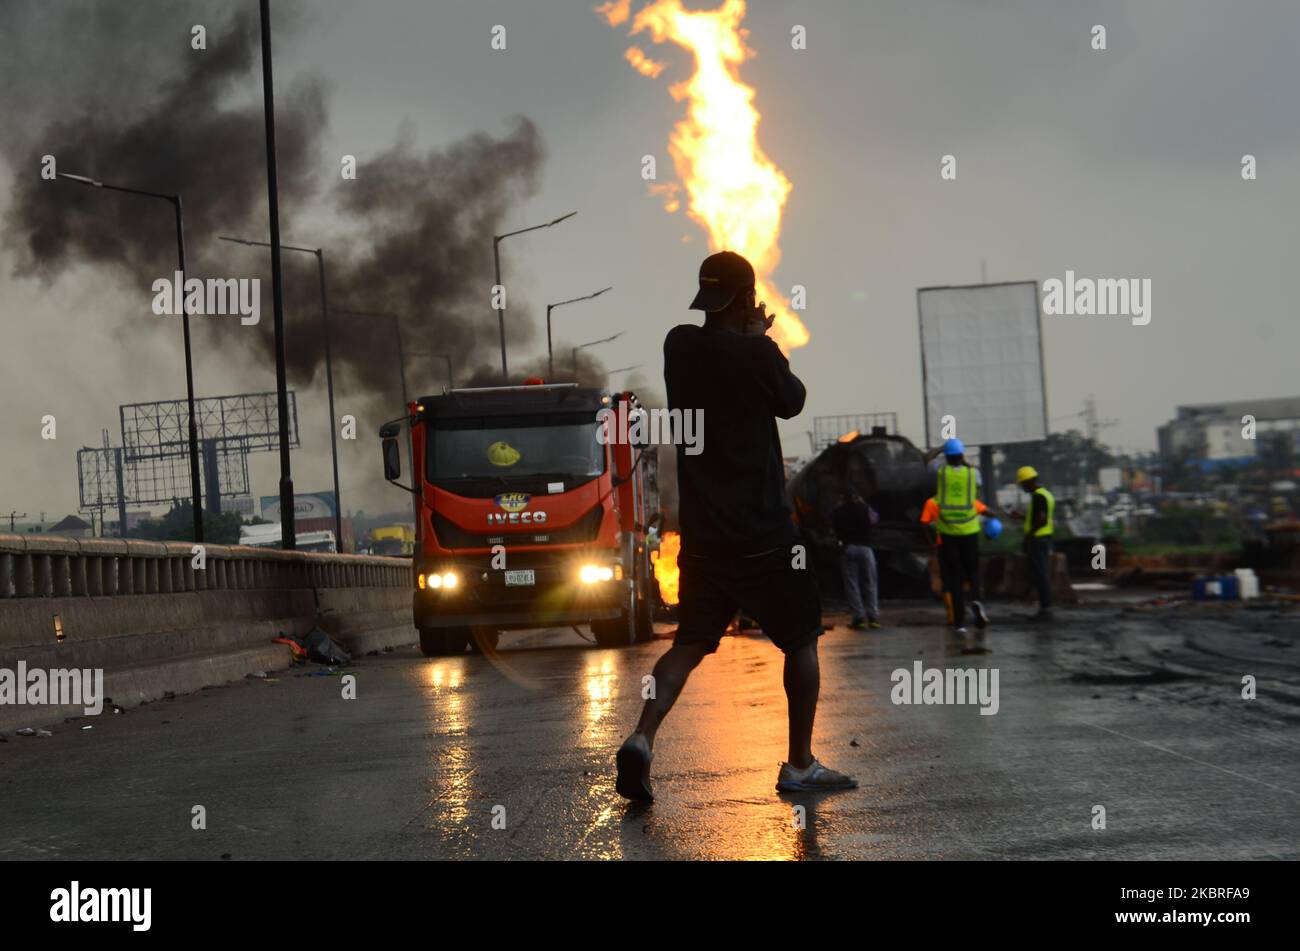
1247 583
1216 588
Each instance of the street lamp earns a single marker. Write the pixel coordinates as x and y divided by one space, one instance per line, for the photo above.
329 372
397 330
550 356
288 535
623 370
496 259
185 323
584 346
451 383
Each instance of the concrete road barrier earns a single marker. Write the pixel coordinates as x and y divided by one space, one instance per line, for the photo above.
158 620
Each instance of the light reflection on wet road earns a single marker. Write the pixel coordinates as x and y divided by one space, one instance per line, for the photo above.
434 754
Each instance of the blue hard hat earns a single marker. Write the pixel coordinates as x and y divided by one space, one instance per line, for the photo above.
992 527
953 447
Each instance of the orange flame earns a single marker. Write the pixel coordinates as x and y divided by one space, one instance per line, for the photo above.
643 64
734 190
666 571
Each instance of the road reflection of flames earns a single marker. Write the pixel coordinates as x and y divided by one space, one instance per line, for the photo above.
600 682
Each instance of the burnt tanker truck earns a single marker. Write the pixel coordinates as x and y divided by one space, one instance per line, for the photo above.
892 475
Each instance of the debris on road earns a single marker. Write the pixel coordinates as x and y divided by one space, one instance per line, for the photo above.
299 652
315 645
323 650
28 731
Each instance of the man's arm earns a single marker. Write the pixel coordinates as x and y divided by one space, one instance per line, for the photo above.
785 391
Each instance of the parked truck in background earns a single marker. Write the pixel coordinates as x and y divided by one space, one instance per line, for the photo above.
268 535
397 541
530 513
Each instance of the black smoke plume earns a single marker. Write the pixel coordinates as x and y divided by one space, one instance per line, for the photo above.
115 91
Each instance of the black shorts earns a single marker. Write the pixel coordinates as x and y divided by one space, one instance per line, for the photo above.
783 599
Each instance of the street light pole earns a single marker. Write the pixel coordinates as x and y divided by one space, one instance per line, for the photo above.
610 373
501 311
175 200
496 261
550 354
195 486
329 371
289 537
401 352
451 381
584 346
329 385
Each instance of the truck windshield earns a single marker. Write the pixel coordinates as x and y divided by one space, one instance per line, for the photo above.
495 450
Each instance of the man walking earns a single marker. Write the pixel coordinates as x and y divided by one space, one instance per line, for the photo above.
852 521
954 513
736 529
1037 545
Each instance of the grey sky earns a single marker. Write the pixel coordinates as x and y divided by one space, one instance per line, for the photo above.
1123 163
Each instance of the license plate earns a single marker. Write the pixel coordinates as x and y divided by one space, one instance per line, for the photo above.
517 578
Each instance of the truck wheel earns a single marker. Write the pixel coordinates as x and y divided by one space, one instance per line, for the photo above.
442 641
483 640
620 631
644 621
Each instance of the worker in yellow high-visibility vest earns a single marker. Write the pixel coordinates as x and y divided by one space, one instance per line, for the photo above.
954 515
1038 538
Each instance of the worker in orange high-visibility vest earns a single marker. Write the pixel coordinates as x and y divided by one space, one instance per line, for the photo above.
953 515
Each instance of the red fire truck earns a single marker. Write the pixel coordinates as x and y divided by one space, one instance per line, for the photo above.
530 512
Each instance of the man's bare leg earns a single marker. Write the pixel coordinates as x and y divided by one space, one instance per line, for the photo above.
670 673
633 759
802 680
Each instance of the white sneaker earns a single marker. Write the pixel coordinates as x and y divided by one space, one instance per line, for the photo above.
815 777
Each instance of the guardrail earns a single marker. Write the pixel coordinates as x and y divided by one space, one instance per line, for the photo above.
52 566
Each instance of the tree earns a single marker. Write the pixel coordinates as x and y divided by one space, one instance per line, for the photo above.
1065 458
177 525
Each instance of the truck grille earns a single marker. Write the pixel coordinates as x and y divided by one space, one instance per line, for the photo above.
580 532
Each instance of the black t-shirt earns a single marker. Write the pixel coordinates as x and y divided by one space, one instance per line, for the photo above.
732 494
852 523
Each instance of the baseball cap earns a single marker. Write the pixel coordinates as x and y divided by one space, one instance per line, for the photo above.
722 277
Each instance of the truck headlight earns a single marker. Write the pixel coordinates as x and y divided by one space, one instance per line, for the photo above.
594 574
446 580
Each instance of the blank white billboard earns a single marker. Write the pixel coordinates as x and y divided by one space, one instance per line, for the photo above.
982 362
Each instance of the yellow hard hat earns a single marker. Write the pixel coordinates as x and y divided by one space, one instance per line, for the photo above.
1025 473
502 454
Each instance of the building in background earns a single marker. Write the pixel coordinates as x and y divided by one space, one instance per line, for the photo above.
1210 434
72 526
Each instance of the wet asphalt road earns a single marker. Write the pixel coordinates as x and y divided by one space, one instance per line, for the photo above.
1137 710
